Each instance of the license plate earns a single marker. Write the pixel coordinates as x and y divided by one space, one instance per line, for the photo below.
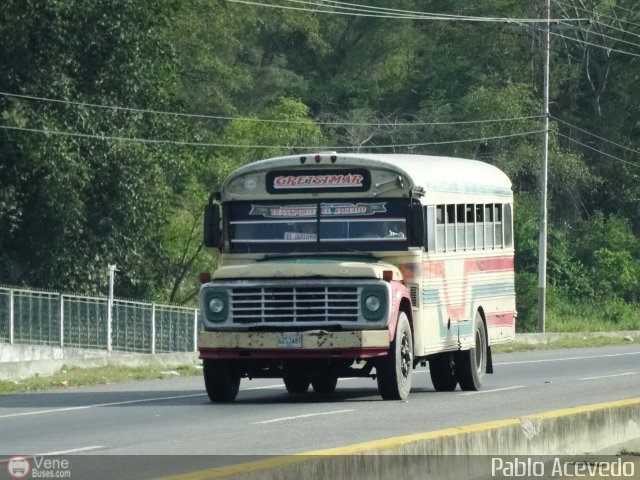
290 340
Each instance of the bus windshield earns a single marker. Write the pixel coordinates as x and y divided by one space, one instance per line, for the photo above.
303 226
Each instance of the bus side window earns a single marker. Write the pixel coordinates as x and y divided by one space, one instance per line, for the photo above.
441 237
451 228
479 227
508 232
431 228
498 224
488 225
460 223
470 227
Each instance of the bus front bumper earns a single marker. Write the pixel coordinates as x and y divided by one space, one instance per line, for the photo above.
308 344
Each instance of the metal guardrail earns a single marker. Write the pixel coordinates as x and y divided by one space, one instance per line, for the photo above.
35 317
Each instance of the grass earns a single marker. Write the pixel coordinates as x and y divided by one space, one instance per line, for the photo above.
70 377
564 342
626 452
565 315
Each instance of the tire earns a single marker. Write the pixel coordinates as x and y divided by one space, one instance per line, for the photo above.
443 372
325 384
394 372
221 380
471 365
296 382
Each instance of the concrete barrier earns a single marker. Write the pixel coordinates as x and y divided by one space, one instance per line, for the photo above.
24 361
461 453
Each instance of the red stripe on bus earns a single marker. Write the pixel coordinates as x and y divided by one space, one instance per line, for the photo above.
499 319
437 270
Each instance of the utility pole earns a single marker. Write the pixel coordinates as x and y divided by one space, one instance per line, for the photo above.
112 269
542 265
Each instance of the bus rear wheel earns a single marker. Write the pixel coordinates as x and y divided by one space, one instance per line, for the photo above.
296 382
471 365
324 384
221 379
443 372
394 371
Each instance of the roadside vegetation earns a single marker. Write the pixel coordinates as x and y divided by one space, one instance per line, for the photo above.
73 377
566 342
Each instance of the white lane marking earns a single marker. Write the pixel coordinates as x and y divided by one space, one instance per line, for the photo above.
568 358
492 391
62 452
283 419
280 385
610 376
73 450
98 405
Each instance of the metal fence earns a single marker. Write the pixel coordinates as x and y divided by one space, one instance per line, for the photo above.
34 317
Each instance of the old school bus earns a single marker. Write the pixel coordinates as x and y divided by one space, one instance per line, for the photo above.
340 265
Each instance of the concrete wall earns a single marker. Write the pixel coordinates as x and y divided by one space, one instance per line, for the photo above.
24 361
462 453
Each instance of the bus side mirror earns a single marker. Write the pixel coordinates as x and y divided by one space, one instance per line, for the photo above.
212 232
417 228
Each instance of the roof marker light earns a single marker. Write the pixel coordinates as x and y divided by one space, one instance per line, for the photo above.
205 277
318 158
303 159
387 275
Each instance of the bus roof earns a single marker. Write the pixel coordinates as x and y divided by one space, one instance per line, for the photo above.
433 173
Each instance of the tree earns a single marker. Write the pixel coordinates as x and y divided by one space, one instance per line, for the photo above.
72 204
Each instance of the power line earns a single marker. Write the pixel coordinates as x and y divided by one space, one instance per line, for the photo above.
596 14
592 32
265 120
407 15
626 32
625 9
594 44
222 145
599 151
596 136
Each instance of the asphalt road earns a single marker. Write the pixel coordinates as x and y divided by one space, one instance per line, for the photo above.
174 416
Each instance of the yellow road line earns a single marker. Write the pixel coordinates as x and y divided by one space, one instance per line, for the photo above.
391 442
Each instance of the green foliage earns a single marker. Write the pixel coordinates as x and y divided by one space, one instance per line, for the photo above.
71 205
73 377
289 130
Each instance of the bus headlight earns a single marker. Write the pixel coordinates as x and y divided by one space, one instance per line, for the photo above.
373 303
216 305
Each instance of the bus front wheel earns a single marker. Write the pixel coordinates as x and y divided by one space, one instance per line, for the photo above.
221 380
471 365
394 371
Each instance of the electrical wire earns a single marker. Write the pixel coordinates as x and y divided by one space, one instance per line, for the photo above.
594 135
408 15
593 44
592 32
599 151
265 120
222 145
596 14
624 9
626 32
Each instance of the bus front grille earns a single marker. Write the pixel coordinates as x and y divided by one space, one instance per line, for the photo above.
294 304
